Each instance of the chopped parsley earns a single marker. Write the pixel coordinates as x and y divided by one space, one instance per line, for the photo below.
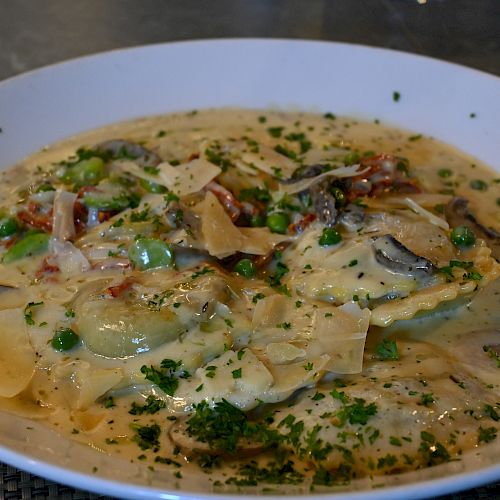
354 413
427 399
275 131
152 406
486 435
492 354
166 377
387 350
205 270
147 436
28 312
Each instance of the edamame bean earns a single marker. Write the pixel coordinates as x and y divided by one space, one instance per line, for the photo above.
149 253
33 243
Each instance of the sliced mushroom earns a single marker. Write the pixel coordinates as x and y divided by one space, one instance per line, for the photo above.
122 148
458 214
324 203
305 172
188 444
352 217
396 257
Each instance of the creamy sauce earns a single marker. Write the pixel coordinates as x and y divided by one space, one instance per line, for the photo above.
302 348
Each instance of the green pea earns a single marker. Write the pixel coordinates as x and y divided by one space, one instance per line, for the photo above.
8 226
462 236
330 236
339 195
86 172
64 339
150 253
258 220
33 243
246 268
278 222
152 187
478 184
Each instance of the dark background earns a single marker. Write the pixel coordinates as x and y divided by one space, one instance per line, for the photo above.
34 33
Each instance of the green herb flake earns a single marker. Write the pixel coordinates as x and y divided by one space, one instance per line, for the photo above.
147 436
492 353
387 350
486 435
205 270
491 412
165 376
151 406
427 399
318 396
28 312
394 441
415 137
285 325
109 402
275 131
236 373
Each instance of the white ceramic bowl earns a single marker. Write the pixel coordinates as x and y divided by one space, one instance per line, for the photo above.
46 105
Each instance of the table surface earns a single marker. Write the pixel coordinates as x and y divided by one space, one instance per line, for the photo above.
34 34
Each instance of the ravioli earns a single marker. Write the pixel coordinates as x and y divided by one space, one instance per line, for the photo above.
261 279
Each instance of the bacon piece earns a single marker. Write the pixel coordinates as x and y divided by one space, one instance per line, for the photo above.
387 173
36 219
117 290
45 269
227 199
299 226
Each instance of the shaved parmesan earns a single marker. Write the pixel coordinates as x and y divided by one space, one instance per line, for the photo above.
63 225
304 184
184 179
69 259
86 383
222 238
341 333
433 219
259 240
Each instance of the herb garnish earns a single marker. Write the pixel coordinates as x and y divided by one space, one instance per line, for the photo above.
153 405
166 377
28 312
147 436
387 350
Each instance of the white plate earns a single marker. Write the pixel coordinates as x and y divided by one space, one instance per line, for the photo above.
46 105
